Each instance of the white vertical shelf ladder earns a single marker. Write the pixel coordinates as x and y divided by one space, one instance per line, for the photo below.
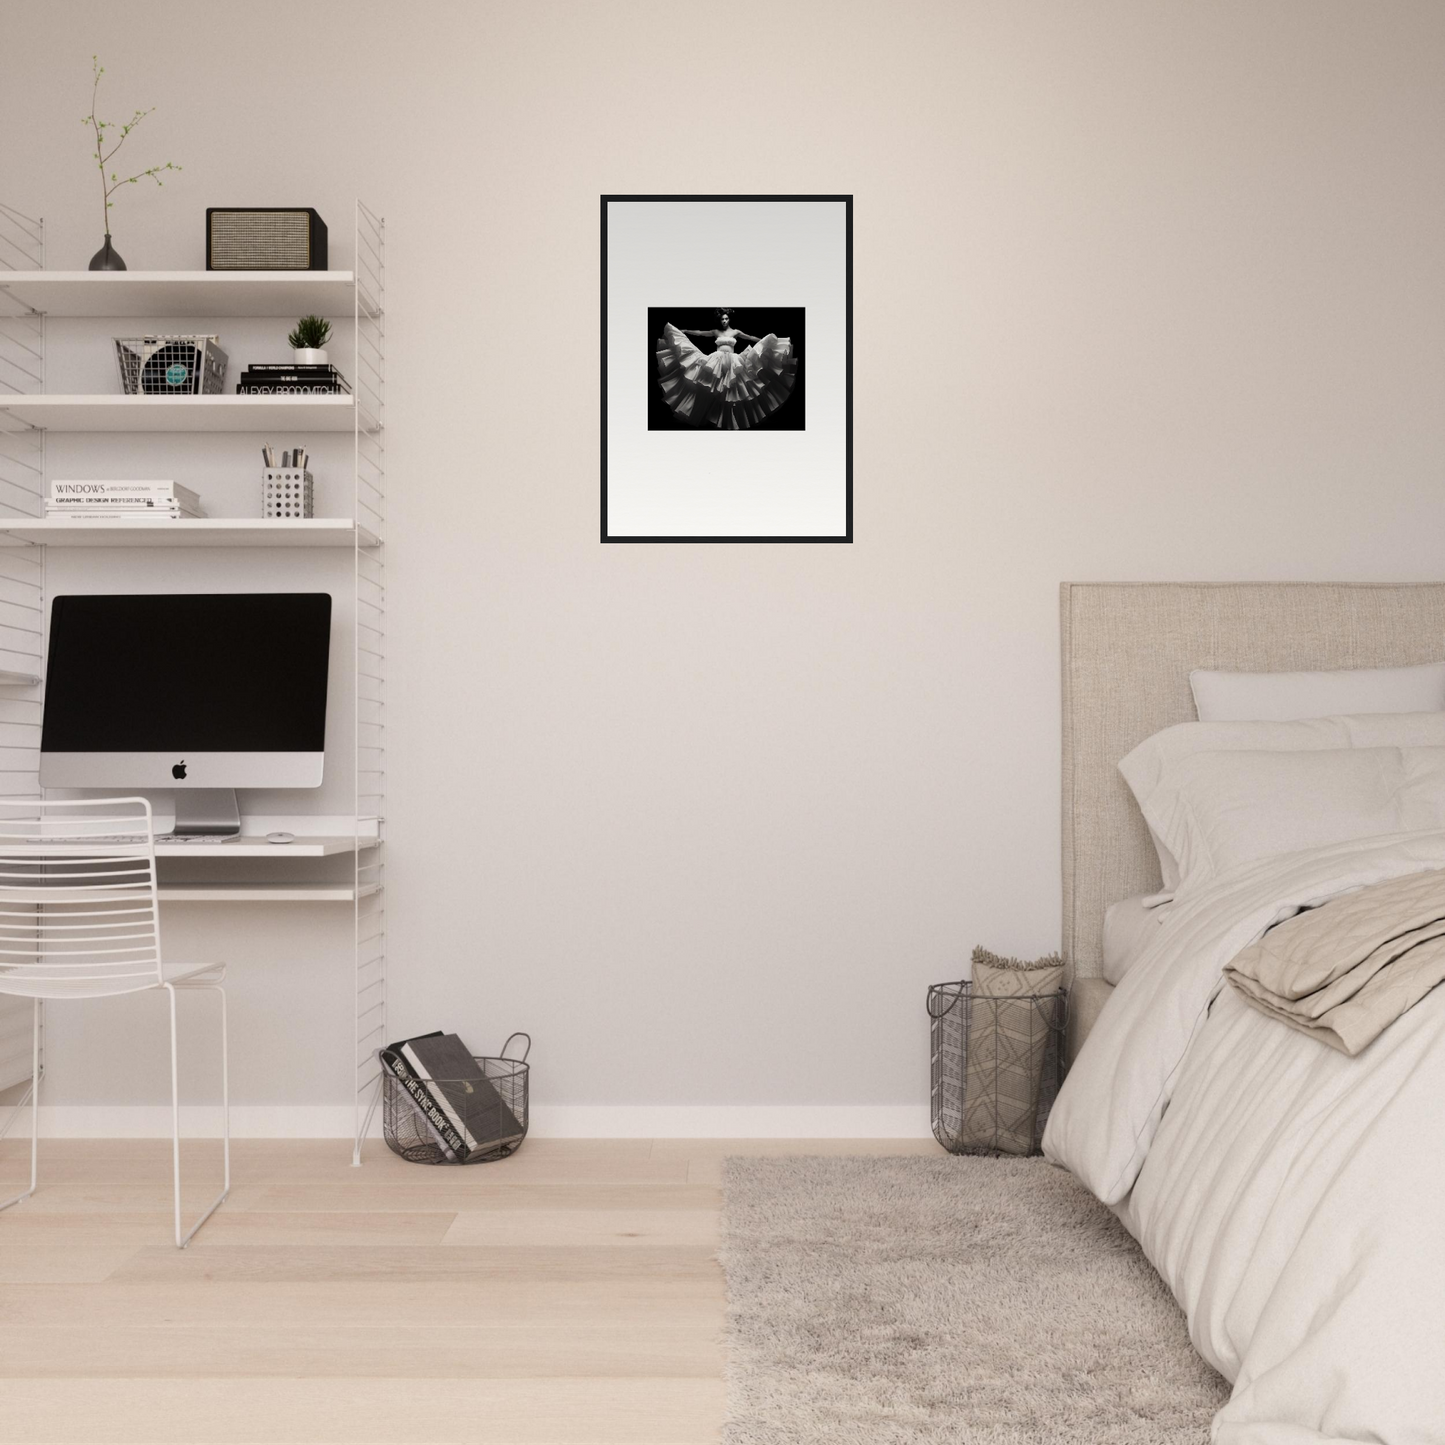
22 613
368 387
22 589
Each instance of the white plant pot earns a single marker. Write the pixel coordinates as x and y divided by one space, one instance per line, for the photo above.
309 356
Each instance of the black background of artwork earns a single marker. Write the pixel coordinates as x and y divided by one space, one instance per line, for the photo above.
786 321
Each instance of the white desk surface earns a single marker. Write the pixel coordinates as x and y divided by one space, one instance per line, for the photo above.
248 846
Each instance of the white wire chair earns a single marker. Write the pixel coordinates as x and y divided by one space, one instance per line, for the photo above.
79 918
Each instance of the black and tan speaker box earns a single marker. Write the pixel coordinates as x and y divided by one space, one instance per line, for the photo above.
265 238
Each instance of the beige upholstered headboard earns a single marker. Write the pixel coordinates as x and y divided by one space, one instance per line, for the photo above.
1128 648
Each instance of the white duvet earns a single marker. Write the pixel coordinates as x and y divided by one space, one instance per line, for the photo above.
1293 1198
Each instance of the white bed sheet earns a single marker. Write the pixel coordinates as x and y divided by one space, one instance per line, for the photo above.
1293 1198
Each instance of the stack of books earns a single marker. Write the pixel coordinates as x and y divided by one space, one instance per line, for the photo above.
287 379
152 500
459 1105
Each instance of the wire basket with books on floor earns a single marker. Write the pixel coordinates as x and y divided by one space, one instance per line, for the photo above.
442 1104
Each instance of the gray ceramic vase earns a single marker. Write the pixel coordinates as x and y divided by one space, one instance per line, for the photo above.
107 258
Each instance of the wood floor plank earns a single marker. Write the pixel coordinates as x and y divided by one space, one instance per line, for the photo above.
206 1263
568 1228
142 1161
59 1264
355 1228
197 1192
228 1225
362 1412
420 1352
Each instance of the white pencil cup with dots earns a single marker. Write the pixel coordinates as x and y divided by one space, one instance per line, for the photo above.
286 492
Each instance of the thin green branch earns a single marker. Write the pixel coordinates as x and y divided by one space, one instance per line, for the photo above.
110 183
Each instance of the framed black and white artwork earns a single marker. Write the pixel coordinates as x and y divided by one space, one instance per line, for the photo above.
727 368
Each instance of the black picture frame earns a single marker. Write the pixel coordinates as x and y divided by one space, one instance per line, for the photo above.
847 202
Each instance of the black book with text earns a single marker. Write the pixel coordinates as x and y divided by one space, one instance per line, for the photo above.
394 1061
474 1108
282 387
304 368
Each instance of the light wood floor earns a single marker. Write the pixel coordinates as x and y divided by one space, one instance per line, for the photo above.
566 1296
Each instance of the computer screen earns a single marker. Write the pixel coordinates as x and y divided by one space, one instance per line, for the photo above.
206 690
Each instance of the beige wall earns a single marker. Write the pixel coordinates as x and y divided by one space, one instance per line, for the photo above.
1142 289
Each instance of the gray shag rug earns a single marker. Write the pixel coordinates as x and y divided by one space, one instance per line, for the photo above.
973 1301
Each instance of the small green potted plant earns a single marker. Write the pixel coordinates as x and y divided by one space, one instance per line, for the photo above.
308 340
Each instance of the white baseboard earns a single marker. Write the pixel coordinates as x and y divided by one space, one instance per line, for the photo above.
549 1121
727 1121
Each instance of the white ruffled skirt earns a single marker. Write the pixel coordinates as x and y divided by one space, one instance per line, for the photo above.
729 389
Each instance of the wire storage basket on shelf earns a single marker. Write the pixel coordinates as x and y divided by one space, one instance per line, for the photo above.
170 365
997 1064
492 1125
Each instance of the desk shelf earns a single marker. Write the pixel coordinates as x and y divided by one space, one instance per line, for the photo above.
262 892
186 532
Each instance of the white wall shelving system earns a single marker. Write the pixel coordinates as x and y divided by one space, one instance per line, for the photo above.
28 295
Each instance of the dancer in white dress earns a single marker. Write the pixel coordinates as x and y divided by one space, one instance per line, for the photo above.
729 388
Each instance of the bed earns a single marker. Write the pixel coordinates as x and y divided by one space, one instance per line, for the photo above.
1293 1198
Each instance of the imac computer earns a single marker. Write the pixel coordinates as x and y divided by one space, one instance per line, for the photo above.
199 693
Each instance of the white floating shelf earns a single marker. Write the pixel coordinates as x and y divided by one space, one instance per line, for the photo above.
183 413
252 847
259 892
186 532
286 294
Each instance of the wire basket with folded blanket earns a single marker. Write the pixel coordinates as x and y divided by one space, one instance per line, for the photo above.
997 1054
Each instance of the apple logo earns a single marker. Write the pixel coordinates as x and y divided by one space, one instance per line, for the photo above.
179 771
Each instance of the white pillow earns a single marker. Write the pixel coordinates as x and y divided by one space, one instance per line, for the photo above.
1283 696
1145 768
1130 926
1217 811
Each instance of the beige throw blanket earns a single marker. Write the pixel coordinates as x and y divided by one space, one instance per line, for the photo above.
1346 971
